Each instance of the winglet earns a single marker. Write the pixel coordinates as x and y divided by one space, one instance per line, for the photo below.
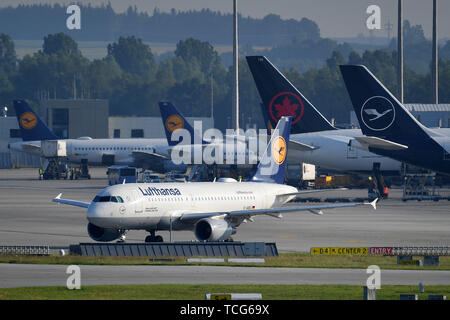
373 203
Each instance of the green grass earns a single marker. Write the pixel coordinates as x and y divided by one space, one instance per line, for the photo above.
197 292
292 260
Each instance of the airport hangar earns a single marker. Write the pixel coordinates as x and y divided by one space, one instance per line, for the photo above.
80 118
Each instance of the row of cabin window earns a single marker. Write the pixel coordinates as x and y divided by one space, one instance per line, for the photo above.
206 198
112 148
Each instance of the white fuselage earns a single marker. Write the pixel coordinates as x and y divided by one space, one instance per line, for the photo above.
213 153
122 149
333 152
94 149
152 206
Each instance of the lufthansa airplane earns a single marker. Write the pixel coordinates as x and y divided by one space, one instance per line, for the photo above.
139 152
212 210
317 141
222 150
389 128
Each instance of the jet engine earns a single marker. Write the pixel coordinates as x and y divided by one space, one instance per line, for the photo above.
213 230
102 234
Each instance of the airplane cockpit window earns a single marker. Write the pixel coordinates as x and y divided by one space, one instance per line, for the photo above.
108 199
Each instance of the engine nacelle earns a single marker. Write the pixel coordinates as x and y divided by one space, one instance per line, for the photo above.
102 234
213 230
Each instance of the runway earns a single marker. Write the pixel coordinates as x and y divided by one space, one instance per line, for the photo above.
30 218
23 275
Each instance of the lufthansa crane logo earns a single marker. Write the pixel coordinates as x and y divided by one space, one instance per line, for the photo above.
378 113
279 150
28 120
174 122
286 104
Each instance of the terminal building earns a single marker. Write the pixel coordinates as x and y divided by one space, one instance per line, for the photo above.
76 118
70 119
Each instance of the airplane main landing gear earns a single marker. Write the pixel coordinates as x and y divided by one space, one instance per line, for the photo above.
153 238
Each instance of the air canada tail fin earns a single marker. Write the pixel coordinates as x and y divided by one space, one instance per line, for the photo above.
268 123
31 126
379 113
172 120
272 166
281 98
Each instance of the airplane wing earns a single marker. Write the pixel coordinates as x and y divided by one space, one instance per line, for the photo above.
70 202
149 156
310 191
275 212
295 194
380 143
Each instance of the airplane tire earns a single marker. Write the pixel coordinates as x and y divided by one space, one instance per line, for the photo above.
159 239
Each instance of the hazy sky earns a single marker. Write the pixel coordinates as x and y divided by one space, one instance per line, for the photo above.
336 18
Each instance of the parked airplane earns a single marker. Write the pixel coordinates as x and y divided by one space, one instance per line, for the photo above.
213 210
233 150
318 141
389 128
138 152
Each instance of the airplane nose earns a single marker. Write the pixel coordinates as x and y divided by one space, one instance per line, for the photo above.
96 214
93 211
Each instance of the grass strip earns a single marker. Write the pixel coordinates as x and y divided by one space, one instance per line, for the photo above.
197 292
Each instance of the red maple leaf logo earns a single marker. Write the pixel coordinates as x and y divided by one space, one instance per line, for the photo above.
287 108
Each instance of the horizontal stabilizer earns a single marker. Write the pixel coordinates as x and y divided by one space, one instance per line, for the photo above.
379 143
30 147
295 145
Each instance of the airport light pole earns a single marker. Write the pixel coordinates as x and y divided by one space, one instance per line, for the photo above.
435 61
400 51
235 111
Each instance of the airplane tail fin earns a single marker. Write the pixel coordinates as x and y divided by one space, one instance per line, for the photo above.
272 166
31 126
172 120
266 118
281 98
379 113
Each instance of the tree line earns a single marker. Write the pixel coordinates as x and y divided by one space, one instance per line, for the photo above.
192 78
103 23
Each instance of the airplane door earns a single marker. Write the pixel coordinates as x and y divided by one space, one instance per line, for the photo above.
138 203
352 153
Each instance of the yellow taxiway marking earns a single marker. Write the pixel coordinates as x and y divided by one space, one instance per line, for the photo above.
286 236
